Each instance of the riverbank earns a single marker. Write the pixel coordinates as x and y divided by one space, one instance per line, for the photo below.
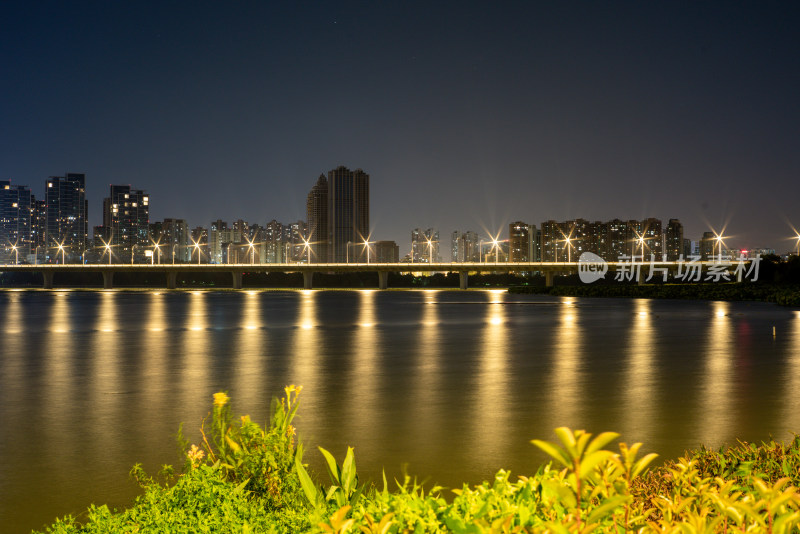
783 294
243 478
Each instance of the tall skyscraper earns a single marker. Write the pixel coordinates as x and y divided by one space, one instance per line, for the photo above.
673 240
127 214
218 235
17 207
425 246
175 237
522 242
348 211
317 212
66 222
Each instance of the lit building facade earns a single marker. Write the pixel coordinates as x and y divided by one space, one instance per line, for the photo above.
66 217
317 231
348 211
127 215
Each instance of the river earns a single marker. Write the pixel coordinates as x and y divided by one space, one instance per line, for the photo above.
448 385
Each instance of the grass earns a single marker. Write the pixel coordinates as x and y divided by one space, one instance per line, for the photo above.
244 478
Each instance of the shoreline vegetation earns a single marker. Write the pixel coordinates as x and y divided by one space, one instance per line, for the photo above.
245 478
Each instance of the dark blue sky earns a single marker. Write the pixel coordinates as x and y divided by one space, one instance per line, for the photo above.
466 115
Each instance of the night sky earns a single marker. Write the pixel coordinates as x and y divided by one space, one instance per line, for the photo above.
467 116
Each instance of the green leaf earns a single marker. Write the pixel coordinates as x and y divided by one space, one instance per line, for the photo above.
601 441
553 451
591 461
348 471
333 467
306 483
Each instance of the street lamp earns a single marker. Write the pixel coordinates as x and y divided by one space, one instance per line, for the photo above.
568 241
16 253
798 244
366 244
36 255
197 247
307 247
496 247
173 252
718 238
133 250
63 253
641 244
430 250
252 252
107 246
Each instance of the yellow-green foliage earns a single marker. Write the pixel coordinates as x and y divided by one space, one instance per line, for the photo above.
243 478
592 489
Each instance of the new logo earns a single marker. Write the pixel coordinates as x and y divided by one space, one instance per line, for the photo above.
591 267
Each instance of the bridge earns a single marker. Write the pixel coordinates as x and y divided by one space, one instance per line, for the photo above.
549 269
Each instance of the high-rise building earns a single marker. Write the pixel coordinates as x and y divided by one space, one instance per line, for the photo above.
317 213
673 240
385 252
348 211
218 235
127 214
425 246
521 240
297 234
707 244
66 219
17 207
176 242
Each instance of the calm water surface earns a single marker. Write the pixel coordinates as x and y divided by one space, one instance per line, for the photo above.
453 384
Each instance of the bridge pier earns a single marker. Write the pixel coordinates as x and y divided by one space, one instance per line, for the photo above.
237 280
47 282
172 279
307 276
463 279
548 278
108 279
383 279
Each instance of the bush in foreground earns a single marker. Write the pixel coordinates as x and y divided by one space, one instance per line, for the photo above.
246 479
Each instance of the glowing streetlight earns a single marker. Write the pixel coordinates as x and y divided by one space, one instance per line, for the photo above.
133 250
156 250
107 246
16 253
641 244
568 241
718 238
197 247
36 255
430 250
496 247
366 245
798 244
173 253
252 251
63 253
307 249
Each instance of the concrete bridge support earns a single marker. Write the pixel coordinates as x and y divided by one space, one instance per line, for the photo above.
307 276
47 279
237 280
172 279
383 280
463 279
548 278
108 279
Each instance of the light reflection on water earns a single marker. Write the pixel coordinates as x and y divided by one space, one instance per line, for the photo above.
454 383
640 378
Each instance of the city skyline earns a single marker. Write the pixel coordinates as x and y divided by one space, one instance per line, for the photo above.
466 115
126 226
